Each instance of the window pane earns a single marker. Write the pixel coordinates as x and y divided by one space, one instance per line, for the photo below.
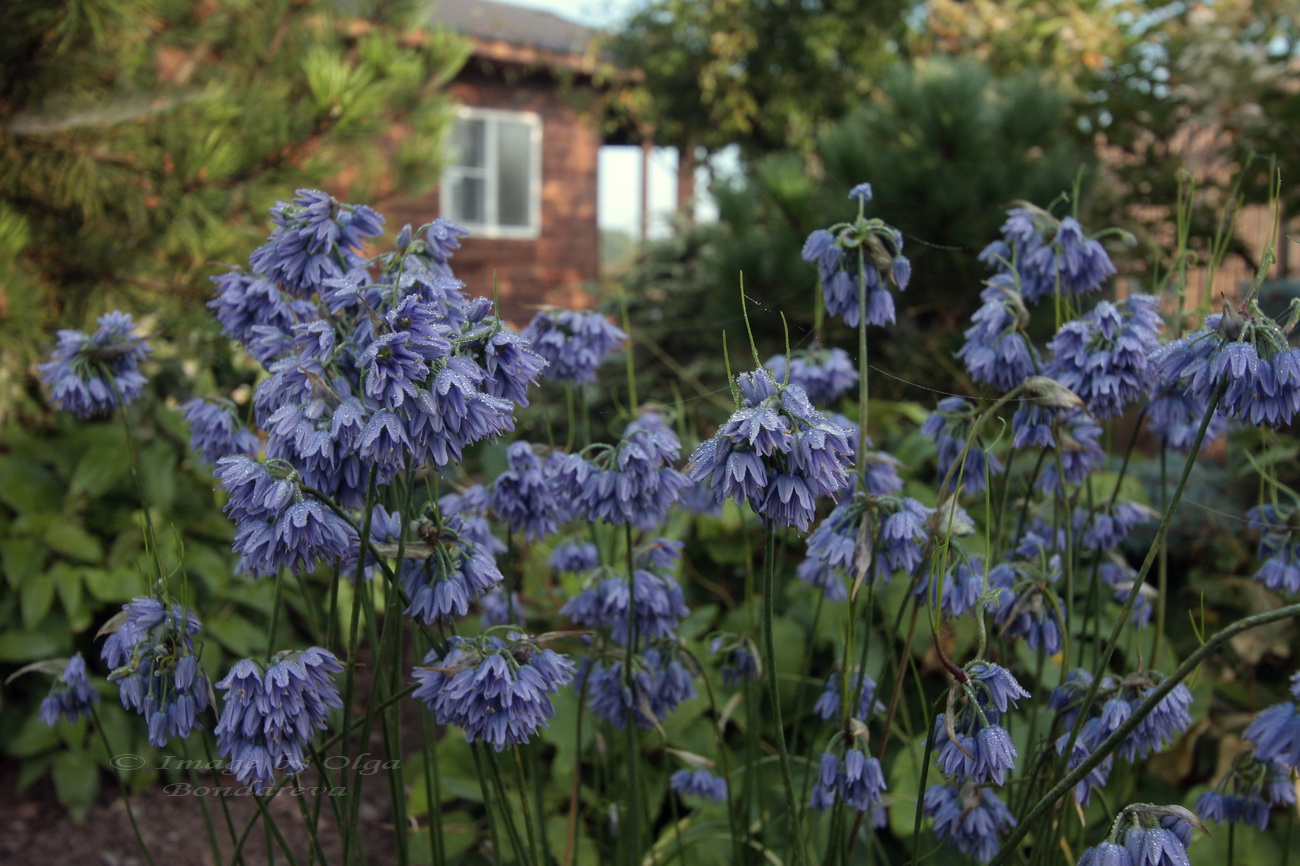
513 173
469 142
467 200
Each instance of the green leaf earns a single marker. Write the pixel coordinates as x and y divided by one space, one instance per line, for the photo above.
76 782
238 635
74 542
26 486
68 582
98 470
51 639
158 472
22 559
34 738
904 787
112 584
35 598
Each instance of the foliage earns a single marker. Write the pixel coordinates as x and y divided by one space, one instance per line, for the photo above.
766 76
147 136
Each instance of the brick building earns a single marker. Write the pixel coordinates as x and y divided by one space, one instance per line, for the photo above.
523 174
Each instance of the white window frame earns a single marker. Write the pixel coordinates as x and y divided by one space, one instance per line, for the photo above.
490 172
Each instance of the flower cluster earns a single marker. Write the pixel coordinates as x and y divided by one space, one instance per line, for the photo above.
270 714
93 375
968 816
215 432
498 692
997 350
1103 357
151 653
523 496
1279 546
573 342
949 427
1145 835
651 603
861 257
699 783
71 694
459 568
1046 256
1246 355
659 682
858 782
777 452
863 688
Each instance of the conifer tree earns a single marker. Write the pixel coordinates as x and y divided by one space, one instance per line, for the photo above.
142 141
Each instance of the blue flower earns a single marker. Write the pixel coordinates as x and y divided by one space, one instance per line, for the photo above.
970 817
269 716
1276 735
996 686
457 571
498 692
1279 546
496 608
1174 416
573 342
949 427
658 606
254 311
863 688
89 375
631 482
864 253
315 238
1047 256
824 374
1107 525
862 784
1170 718
1103 357
658 685
1156 846
522 495
71 694
1106 854
777 452
826 788
151 653
1233 809
699 783
742 663
575 557
215 432
997 351
1250 357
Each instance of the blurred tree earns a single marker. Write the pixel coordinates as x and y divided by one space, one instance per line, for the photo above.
946 146
142 141
765 75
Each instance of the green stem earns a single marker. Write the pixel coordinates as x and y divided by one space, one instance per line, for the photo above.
1112 742
769 647
121 784
633 821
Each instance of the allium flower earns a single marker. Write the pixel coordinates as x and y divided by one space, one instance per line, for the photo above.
826 789
658 685
1122 578
962 587
1106 854
215 432
862 784
151 654
1170 718
1028 606
699 783
88 375
315 238
1107 525
71 694
573 342
1251 357
850 256
499 608
1174 417
1156 846
1244 809
862 689
1276 735
1279 546
633 482
949 427
455 573
252 309
970 817
270 715
498 692
742 663
1048 255
997 352
522 496
777 452
1103 356
981 752
657 609
1072 431
824 374
575 557
995 685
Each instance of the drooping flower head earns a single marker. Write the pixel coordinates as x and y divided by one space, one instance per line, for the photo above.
151 653
315 237
699 783
1045 255
71 694
270 714
949 427
1279 545
1103 357
997 350
970 817
523 497
865 255
608 602
776 452
659 683
457 570
573 342
497 691
215 432
1245 353
89 375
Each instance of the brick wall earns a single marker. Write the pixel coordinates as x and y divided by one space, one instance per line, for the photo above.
557 266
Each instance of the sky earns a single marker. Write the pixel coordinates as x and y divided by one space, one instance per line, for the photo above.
620 167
